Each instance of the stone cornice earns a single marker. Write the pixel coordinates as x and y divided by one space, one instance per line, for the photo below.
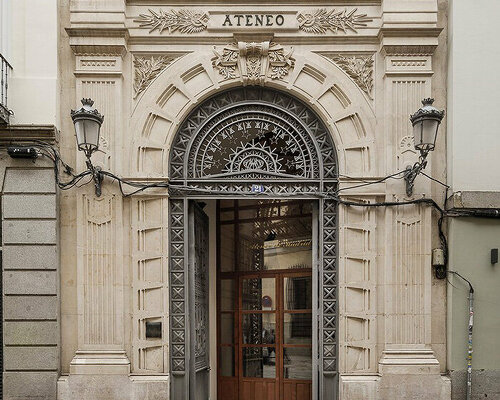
27 133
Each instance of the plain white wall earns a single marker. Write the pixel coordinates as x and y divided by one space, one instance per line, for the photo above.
29 39
474 95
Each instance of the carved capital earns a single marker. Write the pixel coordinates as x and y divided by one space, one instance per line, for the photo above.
254 61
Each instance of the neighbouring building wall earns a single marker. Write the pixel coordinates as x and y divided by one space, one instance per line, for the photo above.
474 176
30 279
29 43
30 255
472 110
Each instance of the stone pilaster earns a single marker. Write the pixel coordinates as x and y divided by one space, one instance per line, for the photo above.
407 48
99 48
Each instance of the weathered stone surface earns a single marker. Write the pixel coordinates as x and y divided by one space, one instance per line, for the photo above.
29 206
30 282
29 385
30 332
30 307
29 257
485 384
30 232
31 358
29 180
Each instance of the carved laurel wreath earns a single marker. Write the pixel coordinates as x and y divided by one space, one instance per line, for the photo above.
147 69
184 21
321 20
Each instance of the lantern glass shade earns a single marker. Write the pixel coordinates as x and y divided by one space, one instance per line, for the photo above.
87 134
425 133
87 121
425 126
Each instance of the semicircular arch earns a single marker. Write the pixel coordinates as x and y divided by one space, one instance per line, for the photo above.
345 112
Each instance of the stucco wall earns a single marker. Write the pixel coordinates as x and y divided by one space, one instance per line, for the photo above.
473 139
29 43
473 166
470 242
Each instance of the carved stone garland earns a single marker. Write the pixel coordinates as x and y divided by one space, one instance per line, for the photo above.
147 69
358 67
255 61
184 21
254 157
322 20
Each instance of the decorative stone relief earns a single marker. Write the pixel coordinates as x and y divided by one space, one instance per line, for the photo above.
359 68
147 69
184 21
407 143
102 321
149 284
255 61
322 20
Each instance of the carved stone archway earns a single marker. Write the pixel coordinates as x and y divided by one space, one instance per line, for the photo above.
262 142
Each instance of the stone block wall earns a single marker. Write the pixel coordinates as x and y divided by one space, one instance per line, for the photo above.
30 273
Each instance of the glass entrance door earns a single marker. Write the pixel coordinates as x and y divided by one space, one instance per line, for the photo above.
265 301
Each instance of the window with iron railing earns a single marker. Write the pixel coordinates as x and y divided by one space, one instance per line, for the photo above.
4 109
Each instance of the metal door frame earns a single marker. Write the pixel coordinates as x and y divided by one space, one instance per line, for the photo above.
325 381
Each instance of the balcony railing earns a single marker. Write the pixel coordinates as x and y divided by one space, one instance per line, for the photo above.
4 109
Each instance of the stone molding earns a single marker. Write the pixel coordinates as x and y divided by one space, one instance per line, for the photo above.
254 61
28 133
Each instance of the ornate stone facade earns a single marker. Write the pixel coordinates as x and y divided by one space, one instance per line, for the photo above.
347 78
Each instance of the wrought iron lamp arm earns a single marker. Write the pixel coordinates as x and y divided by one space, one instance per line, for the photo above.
97 176
412 172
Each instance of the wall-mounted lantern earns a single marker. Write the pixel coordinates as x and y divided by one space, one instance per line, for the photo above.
425 123
88 121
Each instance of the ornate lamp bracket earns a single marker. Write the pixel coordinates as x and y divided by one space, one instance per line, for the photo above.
412 172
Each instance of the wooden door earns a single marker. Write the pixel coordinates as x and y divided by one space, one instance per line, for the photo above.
264 302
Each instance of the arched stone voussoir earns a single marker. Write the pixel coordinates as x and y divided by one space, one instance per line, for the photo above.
313 79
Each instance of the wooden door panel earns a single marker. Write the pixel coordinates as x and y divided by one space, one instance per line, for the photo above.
258 390
297 390
228 388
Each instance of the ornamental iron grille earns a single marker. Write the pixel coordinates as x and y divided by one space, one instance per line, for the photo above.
254 141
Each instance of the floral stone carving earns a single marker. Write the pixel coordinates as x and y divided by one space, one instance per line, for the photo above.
147 69
255 61
184 21
359 68
323 20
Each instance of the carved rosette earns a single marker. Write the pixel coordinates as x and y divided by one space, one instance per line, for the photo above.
147 69
255 61
321 20
184 21
359 68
